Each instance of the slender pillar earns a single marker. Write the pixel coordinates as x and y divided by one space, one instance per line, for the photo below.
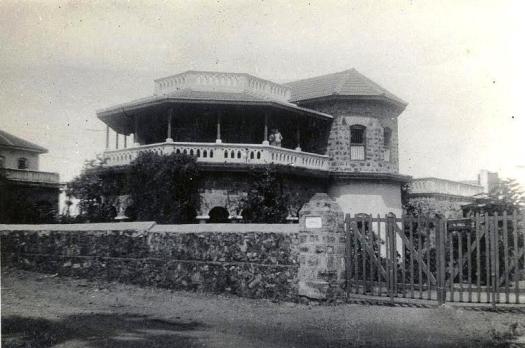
125 141
265 141
169 139
116 140
136 131
218 140
298 134
107 137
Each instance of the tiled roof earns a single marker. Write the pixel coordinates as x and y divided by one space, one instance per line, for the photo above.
346 83
9 140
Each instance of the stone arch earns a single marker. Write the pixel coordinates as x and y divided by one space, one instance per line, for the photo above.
219 215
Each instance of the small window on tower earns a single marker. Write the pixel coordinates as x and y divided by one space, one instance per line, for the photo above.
357 142
387 138
22 163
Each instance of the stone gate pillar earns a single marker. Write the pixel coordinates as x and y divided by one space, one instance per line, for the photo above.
321 247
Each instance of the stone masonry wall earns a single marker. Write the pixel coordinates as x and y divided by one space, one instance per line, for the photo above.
258 261
375 116
228 189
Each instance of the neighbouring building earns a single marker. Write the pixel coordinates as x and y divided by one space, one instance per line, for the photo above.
19 165
447 197
334 134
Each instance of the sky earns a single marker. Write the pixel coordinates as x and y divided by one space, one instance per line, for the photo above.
457 63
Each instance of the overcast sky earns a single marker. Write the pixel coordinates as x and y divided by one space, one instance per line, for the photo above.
457 64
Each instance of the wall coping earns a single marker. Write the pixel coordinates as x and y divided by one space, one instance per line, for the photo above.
228 228
104 226
151 226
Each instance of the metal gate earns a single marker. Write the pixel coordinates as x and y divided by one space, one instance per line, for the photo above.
476 260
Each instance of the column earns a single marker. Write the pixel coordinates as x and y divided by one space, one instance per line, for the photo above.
218 140
125 141
135 131
298 134
116 140
169 139
265 141
107 137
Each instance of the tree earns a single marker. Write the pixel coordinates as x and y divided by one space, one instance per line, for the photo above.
97 189
507 196
164 188
266 201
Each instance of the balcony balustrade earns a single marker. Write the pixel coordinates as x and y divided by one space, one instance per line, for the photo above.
442 186
31 176
223 153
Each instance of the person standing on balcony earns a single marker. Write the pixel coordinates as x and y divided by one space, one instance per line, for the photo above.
275 138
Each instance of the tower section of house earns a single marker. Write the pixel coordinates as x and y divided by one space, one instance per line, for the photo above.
362 145
19 166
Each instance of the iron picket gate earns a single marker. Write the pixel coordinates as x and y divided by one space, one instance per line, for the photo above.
476 260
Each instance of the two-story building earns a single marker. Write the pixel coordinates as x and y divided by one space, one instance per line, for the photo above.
335 133
19 166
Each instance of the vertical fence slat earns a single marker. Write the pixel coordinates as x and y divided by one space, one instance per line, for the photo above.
411 238
492 228
379 240
478 261
348 253
427 242
469 267
356 266
391 237
363 254
420 259
516 253
496 256
443 265
487 257
451 266
506 255
460 265
403 258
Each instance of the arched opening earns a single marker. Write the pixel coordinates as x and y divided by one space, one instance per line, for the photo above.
219 215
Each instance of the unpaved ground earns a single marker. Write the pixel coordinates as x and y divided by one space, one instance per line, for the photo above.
41 310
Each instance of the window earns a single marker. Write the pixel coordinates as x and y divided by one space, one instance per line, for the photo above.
22 163
387 140
357 142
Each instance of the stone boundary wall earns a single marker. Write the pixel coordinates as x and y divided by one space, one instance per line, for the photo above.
249 260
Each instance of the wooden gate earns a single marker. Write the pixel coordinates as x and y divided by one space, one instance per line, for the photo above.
477 260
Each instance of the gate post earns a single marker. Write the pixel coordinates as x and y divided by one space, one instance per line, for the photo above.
321 248
441 232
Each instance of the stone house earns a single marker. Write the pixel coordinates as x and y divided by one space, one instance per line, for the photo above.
338 132
19 164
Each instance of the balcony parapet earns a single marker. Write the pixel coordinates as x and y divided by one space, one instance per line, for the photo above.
223 153
443 186
205 81
31 176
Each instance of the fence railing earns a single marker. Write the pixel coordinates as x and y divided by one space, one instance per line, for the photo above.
478 260
224 153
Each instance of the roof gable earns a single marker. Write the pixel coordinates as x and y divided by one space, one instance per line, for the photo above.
9 140
345 83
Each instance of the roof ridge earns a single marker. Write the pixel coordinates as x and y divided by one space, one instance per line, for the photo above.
14 141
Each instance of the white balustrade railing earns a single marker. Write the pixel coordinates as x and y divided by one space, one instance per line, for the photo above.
31 176
223 153
442 186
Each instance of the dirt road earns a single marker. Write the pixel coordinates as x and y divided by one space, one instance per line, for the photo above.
41 310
